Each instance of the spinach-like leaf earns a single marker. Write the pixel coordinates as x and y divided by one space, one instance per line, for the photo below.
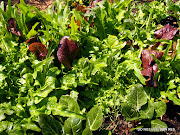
94 118
49 125
137 96
147 111
157 125
160 108
87 131
73 126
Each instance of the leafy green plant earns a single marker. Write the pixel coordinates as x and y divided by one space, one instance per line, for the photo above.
68 107
104 70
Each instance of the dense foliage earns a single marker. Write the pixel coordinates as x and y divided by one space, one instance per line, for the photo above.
53 84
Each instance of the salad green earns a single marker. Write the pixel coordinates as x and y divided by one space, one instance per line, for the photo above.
41 94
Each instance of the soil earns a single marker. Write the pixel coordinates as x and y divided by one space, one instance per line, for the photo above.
40 4
117 123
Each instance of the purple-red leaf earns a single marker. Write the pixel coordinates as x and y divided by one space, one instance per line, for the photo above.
12 27
166 32
149 66
39 49
67 51
32 40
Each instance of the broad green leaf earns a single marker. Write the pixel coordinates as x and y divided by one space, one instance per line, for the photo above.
128 112
157 125
160 108
30 125
49 125
147 111
64 113
87 131
94 118
67 103
137 96
73 126
2 116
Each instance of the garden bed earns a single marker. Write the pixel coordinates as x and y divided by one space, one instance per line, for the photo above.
118 60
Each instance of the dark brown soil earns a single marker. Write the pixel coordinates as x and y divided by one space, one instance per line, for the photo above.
40 4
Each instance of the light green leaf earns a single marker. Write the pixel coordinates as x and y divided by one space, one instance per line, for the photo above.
160 108
147 111
137 72
157 125
3 125
74 94
94 118
173 97
73 126
32 32
137 96
67 103
87 131
73 25
49 125
177 56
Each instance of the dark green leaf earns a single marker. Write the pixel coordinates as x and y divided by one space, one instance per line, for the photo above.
49 125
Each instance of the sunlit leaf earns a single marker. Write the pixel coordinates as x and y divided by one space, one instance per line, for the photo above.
137 96
94 118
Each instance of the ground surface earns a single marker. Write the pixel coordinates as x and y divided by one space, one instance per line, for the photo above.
117 123
40 4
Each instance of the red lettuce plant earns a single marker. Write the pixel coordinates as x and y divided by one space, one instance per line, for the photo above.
166 32
12 27
150 66
39 50
67 51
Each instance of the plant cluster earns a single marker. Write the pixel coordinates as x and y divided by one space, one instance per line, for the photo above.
57 65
